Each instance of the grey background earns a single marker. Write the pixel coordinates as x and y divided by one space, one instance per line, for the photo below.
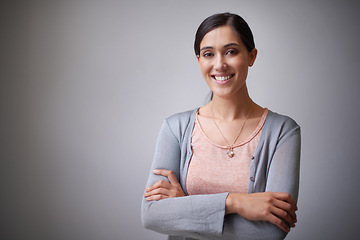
85 86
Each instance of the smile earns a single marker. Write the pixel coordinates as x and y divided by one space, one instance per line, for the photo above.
222 78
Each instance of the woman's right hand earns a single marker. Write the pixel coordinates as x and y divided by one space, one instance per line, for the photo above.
264 206
164 189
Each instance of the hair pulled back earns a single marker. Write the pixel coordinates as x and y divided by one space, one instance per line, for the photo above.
237 23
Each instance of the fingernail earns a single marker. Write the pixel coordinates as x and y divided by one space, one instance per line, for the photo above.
156 171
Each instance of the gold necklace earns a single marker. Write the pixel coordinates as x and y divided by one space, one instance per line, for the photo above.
230 151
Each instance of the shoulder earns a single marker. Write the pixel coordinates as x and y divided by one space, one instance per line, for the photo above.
182 118
280 124
182 122
279 119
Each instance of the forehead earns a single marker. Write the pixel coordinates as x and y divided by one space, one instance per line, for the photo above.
220 36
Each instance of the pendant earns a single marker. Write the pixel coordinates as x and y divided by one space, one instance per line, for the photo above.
230 153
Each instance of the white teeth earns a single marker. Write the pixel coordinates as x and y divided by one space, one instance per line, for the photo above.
222 78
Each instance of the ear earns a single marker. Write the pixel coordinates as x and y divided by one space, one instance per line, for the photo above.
198 57
252 56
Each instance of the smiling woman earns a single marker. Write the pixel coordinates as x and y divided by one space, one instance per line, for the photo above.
229 169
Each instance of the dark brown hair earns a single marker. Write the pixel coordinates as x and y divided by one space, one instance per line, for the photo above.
237 23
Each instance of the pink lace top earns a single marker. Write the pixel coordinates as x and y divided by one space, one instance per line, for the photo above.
210 168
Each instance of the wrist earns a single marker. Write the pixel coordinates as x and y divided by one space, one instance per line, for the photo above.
229 204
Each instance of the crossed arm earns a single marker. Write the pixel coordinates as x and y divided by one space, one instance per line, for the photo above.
261 215
264 206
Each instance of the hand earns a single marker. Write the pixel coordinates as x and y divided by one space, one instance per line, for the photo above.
164 189
264 206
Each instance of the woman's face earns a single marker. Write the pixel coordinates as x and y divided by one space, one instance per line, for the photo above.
224 61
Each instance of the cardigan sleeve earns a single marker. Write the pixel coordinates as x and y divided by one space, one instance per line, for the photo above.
284 168
189 215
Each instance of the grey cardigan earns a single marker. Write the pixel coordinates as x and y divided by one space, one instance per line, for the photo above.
274 167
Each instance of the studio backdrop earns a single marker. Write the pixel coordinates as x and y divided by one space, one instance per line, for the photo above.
85 86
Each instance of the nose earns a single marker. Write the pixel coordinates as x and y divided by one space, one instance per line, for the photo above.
220 64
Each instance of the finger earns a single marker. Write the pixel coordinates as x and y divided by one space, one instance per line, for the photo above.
167 173
283 215
278 222
288 198
157 191
156 197
285 206
292 202
159 184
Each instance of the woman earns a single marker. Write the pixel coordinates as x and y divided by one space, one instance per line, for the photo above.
229 169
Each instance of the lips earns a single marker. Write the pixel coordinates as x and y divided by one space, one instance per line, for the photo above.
222 78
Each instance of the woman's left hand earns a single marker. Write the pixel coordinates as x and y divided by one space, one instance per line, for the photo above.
164 189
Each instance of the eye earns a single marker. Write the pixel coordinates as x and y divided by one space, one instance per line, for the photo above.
208 54
231 52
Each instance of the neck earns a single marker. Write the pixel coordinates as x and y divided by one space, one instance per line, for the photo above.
229 109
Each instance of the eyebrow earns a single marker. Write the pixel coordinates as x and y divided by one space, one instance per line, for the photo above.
225 46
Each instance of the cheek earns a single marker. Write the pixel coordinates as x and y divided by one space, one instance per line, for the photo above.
205 67
240 65
238 62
